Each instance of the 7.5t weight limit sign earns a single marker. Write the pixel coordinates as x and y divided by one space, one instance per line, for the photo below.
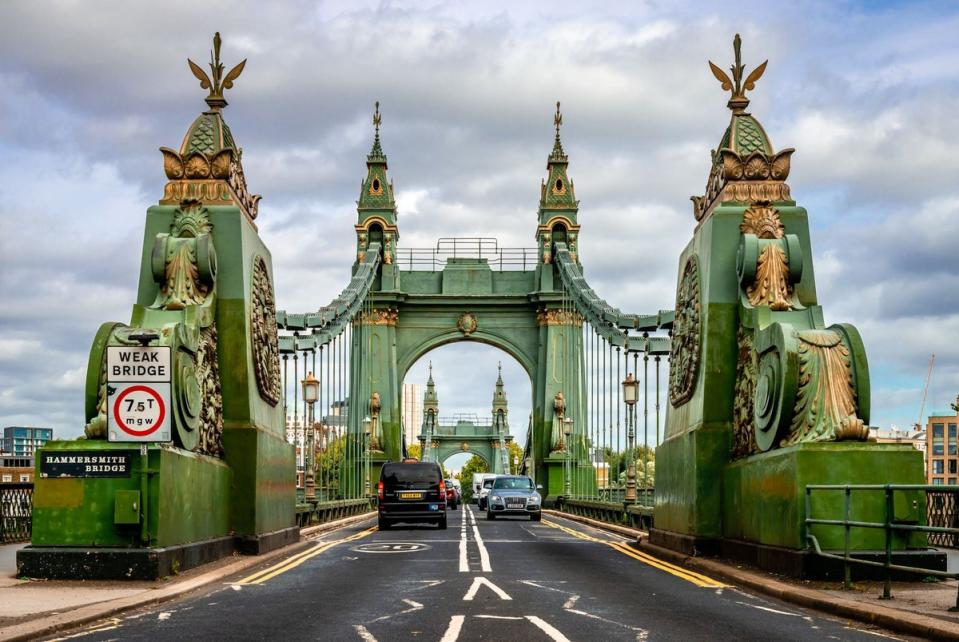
138 393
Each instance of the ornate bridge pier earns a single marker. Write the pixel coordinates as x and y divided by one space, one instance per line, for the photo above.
764 397
213 472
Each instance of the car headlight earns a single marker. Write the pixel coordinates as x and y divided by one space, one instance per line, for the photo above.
495 498
534 499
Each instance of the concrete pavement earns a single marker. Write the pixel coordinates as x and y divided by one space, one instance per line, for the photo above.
478 580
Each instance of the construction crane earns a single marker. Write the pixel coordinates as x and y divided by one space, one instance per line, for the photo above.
925 391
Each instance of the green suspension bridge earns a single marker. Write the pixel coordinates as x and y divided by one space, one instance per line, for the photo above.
533 303
764 401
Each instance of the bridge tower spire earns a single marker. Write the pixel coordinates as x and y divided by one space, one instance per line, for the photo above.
501 418
558 206
376 207
431 416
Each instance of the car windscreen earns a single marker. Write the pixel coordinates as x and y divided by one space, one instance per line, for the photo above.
488 483
513 483
411 475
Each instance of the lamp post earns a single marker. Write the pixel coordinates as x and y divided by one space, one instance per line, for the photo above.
516 465
567 431
367 432
630 394
311 392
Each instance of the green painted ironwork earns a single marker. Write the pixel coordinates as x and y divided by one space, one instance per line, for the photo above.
902 516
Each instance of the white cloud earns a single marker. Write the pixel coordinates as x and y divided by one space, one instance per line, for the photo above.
868 96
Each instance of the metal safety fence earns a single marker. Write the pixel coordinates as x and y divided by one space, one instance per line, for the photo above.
16 512
942 510
890 525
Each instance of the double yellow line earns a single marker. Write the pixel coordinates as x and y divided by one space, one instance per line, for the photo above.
677 571
292 562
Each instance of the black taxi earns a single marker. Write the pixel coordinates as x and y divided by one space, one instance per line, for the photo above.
411 491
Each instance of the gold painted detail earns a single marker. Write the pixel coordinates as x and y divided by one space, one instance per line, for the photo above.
376 406
219 82
96 428
685 354
744 434
763 222
771 287
826 407
188 272
266 348
208 375
757 178
557 436
465 446
466 323
215 179
737 86
557 316
547 249
376 316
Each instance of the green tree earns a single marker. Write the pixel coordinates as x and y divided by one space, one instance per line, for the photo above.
515 457
329 463
476 464
619 462
415 451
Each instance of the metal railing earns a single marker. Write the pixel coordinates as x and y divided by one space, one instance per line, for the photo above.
16 512
942 509
431 259
889 526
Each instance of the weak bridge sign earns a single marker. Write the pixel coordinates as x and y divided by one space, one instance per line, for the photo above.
138 393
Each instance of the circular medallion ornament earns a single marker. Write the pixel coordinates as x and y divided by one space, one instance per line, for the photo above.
466 323
465 446
266 346
685 354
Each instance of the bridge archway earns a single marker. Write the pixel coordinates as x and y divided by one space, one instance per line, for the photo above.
463 404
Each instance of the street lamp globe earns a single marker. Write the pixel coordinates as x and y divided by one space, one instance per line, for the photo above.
568 426
367 425
311 388
630 389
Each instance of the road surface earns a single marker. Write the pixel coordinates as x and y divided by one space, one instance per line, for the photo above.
509 579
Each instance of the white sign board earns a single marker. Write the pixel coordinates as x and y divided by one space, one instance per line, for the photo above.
138 393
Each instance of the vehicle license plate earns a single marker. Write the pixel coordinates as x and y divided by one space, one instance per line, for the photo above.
411 495
516 504
434 506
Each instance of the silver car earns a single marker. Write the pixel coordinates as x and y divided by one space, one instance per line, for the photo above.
514 495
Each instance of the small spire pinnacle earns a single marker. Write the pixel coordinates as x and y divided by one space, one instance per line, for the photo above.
737 86
219 82
558 152
377 152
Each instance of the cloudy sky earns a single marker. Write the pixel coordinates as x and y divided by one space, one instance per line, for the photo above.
868 94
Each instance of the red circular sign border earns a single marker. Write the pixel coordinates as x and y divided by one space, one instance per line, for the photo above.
139 433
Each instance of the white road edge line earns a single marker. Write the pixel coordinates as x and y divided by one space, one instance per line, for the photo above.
453 630
548 629
500 617
484 554
364 634
480 581
464 561
766 608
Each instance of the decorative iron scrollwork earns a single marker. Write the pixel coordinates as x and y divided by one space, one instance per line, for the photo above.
685 354
266 348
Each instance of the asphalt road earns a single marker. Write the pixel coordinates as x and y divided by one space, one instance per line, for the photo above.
509 579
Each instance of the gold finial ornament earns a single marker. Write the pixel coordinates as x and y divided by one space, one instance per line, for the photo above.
558 120
220 82
377 118
737 86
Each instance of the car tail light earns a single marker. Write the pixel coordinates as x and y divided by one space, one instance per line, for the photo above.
442 489
379 489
